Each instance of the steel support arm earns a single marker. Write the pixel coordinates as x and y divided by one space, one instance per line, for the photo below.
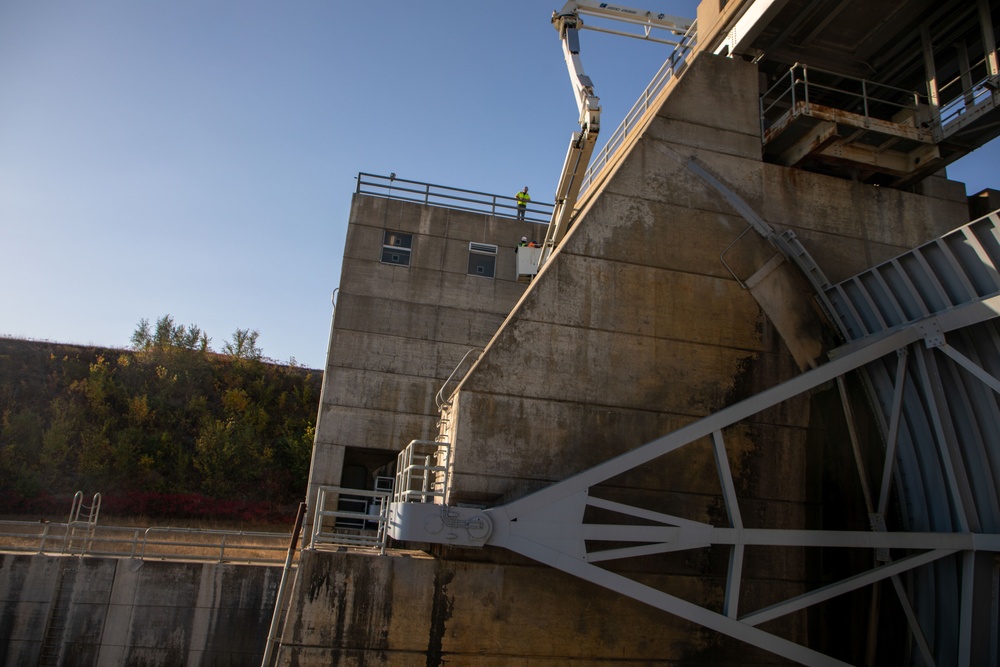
675 24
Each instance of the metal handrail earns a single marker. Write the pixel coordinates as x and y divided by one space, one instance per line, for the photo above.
671 68
965 99
422 472
444 196
439 399
74 521
798 77
372 531
131 542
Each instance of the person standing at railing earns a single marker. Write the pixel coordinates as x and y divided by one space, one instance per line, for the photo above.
522 198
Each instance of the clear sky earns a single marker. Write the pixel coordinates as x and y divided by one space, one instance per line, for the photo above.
198 157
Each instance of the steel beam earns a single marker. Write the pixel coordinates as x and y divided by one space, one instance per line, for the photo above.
548 525
914 624
670 604
895 413
844 586
965 609
753 22
934 411
875 349
930 73
971 366
989 43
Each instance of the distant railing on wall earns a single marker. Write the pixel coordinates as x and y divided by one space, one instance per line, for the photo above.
430 194
153 543
674 65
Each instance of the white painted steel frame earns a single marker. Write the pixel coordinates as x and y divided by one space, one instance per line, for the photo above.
941 428
370 530
954 277
422 470
548 525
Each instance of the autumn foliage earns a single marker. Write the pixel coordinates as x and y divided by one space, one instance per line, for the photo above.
163 431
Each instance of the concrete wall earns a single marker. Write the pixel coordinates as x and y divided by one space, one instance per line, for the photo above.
106 612
408 609
638 325
399 331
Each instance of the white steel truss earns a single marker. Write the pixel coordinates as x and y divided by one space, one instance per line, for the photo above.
548 525
923 330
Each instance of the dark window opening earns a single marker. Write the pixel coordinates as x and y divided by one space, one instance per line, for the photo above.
396 248
482 260
368 469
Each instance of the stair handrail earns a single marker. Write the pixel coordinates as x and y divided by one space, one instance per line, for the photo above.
439 399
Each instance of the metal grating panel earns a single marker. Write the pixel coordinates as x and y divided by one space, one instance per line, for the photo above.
947 465
953 270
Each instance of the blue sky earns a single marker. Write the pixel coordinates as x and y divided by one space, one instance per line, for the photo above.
198 157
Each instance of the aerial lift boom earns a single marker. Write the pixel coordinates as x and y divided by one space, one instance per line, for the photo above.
568 23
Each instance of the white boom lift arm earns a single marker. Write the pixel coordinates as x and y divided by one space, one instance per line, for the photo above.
568 23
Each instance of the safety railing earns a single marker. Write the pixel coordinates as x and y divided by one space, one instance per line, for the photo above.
422 472
444 196
82 520
350 517
88 514
153 543
439 399
672 67
803 85
965 92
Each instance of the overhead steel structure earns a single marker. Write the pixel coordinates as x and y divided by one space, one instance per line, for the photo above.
568 22
885 91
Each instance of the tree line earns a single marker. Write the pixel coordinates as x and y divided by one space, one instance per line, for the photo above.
168 418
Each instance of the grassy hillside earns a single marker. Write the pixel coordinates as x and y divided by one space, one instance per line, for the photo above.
162 432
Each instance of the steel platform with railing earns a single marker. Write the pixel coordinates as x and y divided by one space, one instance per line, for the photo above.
443 196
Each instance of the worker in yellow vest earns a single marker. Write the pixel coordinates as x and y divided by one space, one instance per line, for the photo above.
522 202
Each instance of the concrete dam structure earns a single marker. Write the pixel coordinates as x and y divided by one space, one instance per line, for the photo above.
740 407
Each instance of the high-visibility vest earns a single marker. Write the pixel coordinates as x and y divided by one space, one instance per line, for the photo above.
522 198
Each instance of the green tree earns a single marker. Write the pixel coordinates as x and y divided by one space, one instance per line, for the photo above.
60 440
166 335
142 337
161 417
20 439
244 345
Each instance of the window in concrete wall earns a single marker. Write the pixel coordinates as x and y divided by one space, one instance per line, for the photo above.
482 259
396 248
